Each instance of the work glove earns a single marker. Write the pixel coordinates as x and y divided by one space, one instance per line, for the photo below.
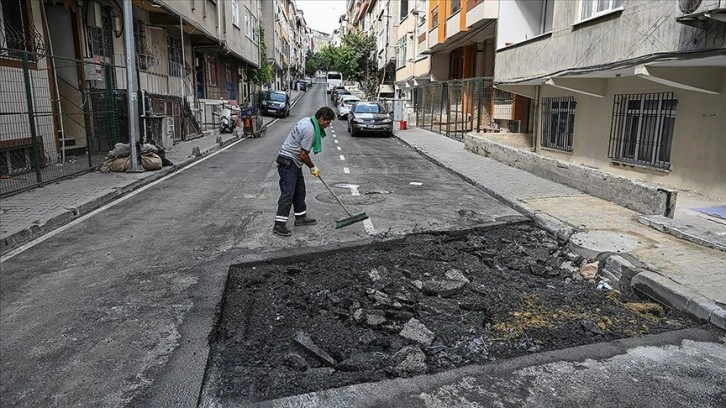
315 171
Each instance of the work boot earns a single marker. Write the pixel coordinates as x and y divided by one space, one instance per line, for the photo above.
305 220
281 229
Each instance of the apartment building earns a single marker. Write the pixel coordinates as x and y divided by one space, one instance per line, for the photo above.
412 62
634 88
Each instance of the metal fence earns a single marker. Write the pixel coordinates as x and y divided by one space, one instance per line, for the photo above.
454 108
60 117
53 125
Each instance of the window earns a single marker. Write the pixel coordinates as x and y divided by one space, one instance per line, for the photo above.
255 31
235 13
144 59
435 17
403 11
248 24
16 32
593 8
558 122
641 131
401 52
175 56
213 69
455 6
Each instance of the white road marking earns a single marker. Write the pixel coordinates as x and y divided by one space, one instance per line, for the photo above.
415 183
342 157
336 141
55 232
346 170
338 147
368 224
353 188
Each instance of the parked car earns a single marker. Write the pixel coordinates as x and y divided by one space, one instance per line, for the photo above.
308 81
369 118
276 103
301 85
345 102
334 90
339 93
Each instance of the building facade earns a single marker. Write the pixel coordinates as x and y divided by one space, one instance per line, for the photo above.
634 88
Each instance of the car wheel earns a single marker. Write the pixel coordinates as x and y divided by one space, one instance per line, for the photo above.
348 127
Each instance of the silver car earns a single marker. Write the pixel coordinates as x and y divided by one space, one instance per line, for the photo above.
344 104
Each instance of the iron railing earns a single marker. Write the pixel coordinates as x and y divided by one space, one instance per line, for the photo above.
455 108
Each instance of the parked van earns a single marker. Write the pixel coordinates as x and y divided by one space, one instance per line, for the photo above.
334 79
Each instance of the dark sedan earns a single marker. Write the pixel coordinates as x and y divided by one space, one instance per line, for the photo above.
276 103
369 118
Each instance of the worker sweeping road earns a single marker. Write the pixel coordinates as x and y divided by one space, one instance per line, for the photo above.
307 136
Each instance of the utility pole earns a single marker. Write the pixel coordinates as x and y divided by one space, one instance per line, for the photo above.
131 86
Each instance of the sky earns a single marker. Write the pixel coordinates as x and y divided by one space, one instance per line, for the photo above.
322 15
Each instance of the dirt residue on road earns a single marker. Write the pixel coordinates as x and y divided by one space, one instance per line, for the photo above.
428 303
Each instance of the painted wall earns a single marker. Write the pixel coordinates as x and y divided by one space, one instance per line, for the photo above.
699 147
642 28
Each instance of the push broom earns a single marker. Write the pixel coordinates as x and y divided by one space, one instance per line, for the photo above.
350 219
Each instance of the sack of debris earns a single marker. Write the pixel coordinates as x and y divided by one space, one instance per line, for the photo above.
120 164
150 161
120 150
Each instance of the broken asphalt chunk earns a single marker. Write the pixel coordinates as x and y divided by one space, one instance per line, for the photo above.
410 359
307 344
416 331
443 288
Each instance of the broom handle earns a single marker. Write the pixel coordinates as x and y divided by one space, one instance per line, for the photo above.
336 197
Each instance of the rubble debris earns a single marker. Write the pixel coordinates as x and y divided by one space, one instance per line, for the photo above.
416 331
306 342
365 361
443 288
646 308
410 359
375 320
456 275
295 362
589 271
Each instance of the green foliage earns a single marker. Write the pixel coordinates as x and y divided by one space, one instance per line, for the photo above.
263 74
354 58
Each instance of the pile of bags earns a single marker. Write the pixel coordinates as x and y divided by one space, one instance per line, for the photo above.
153 157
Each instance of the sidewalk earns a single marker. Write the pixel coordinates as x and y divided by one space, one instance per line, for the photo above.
30 214
684 275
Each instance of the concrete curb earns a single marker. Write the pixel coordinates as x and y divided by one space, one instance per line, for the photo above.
680 298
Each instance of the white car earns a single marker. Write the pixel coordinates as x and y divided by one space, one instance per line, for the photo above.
345 102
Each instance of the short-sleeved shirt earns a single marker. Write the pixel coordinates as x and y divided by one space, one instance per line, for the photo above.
301 137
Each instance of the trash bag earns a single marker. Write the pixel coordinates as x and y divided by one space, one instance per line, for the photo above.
162 153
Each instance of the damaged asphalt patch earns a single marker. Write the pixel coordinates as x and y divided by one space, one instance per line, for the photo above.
423 304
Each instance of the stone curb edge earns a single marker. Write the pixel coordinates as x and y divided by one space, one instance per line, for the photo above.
620 271
13 241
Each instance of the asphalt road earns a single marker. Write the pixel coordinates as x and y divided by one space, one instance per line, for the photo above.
116 310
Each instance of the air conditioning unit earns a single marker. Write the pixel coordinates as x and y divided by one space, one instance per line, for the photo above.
694 11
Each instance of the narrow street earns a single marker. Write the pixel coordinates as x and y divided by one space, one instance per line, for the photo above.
119 307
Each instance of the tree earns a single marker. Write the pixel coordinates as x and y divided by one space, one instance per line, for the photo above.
353 59
263 74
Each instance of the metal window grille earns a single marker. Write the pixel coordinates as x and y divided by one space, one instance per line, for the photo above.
558 122
641 131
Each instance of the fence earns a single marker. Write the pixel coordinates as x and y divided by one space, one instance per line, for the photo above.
60 117
454 108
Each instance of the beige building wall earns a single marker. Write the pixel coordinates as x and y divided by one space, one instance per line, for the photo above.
699 139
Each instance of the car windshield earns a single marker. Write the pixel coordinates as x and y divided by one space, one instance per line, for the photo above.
369 108
350 102
274 96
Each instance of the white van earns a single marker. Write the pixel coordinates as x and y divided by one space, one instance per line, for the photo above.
333 79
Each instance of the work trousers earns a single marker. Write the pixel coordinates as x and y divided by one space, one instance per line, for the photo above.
292 190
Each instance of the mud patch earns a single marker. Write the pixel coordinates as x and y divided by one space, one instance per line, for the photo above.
423 304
